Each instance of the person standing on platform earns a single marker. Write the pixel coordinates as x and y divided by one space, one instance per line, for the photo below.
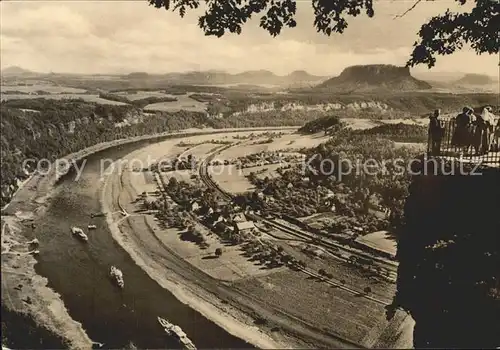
436 132
462 136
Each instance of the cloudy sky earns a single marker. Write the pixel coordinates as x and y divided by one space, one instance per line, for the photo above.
125 36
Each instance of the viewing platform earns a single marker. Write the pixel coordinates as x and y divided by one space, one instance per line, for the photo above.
473 144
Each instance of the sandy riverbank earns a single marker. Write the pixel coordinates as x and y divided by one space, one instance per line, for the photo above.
25 292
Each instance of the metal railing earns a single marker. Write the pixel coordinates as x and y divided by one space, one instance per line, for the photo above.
474 143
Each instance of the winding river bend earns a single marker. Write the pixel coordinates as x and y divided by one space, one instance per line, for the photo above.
79 273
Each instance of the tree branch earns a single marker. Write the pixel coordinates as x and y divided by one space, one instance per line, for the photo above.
411 8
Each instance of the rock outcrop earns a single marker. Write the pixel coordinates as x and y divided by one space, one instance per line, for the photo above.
374 77
449 254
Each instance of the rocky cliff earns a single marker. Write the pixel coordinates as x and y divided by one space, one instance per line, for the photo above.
449 254
374 77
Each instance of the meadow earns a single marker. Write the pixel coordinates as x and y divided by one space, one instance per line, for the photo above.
64 96
184 102
49 89
141 94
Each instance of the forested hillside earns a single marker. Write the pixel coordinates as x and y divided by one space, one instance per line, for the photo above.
398 132
321 124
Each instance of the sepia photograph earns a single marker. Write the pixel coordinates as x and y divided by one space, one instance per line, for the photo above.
250 174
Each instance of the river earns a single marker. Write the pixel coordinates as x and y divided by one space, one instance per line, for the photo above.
79 273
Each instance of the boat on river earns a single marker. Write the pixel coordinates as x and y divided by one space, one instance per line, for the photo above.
117 275
78 232
91 227
177 332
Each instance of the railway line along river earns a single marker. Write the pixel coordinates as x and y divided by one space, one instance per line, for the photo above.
79 273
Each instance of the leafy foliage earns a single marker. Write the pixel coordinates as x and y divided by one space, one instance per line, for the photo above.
360 196
140 103
398 132
444 34
441 35
321 124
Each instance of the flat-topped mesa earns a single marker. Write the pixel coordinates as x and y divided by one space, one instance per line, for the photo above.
386 76
383 71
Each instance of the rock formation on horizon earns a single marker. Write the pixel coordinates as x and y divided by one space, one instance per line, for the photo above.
475 79
15 70
374 77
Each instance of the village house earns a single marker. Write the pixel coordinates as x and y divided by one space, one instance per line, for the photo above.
194 206
244 227
239 217
221 203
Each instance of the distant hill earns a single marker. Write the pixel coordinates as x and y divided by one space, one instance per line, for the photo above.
138 75
373 78
476 79
440 77
257 77
210 77
15 70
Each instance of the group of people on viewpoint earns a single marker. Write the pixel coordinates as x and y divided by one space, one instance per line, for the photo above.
480 132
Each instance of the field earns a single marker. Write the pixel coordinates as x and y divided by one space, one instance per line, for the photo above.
380 241
230 179
85 97
47 88
138 95
288 142
362 123
233 180
328 308
184 102
200 151
414 121
231 266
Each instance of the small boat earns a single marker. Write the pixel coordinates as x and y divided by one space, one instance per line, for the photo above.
79 233
117 275
91 227
34 242
177 332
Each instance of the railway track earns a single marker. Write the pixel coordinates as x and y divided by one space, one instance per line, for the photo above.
334 247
